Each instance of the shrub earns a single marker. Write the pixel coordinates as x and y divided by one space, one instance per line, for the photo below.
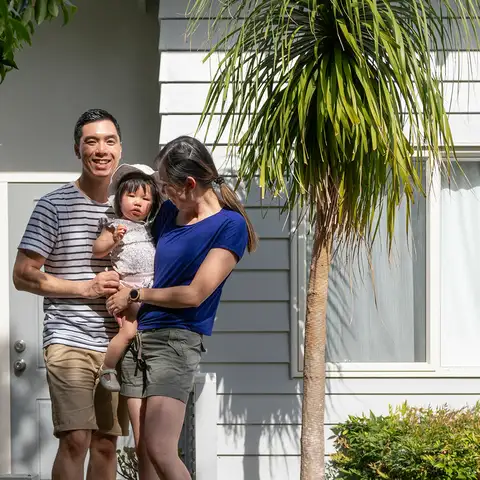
409 444
128 463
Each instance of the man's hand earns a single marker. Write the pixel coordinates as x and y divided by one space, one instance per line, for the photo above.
103 285
119 233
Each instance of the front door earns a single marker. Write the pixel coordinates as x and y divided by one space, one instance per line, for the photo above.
33 444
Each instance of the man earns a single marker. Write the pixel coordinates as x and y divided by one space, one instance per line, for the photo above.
77 327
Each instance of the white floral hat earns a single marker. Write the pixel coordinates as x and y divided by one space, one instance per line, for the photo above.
123 170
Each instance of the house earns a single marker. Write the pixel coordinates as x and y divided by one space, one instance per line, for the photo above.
420 343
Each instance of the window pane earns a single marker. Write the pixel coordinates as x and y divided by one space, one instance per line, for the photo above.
394 328
460 261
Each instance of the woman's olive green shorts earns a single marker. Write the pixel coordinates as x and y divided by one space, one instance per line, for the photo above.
161 362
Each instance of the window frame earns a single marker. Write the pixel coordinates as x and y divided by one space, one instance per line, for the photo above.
432 366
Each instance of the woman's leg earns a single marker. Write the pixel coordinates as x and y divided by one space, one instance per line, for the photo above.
136 410
164 418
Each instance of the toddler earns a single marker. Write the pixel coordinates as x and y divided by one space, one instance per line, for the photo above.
135 197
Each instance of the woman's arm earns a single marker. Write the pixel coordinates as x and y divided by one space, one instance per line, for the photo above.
107 240
216 267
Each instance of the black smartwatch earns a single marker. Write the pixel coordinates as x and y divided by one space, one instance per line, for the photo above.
134 295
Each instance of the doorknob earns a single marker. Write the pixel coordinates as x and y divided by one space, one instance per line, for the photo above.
20 365
20 346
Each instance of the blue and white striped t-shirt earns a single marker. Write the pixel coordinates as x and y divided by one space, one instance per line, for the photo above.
62 228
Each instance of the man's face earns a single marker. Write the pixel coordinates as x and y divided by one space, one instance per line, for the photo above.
99 148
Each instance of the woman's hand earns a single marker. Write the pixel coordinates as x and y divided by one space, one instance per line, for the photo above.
118 302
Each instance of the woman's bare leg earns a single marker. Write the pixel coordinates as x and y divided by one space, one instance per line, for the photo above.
163 424
136 410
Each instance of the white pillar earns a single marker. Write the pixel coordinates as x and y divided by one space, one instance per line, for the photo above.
5 365
206 408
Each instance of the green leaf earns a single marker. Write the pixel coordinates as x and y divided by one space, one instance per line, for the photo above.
53 9
66 14
41 9
28 14
9 63
3 72
21 31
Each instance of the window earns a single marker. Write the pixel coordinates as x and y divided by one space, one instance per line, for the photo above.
460 266
377 313
427 317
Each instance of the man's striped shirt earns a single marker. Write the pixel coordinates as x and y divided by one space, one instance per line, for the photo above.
62 228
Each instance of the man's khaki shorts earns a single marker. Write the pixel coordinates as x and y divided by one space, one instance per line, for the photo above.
79 402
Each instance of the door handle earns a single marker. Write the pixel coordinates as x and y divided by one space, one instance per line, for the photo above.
20 365
20 346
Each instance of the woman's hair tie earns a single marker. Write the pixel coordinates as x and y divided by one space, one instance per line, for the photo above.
219 180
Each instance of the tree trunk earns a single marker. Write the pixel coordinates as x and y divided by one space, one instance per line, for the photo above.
313 443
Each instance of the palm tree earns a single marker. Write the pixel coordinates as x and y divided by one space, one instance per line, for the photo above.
331 103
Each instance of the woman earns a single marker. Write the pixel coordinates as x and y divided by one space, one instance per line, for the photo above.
200 238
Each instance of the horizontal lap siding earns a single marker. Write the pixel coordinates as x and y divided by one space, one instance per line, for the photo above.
181 70
253 320
259 405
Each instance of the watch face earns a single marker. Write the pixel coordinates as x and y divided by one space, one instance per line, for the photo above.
134 294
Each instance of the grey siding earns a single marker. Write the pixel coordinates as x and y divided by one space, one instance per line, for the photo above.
259 404
107 57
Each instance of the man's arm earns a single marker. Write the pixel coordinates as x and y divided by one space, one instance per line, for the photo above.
28 277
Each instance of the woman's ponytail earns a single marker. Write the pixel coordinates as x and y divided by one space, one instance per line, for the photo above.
231 201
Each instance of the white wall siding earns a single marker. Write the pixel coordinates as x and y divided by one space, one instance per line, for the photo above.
259 404
259 407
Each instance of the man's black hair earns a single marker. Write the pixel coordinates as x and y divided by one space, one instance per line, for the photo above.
94 115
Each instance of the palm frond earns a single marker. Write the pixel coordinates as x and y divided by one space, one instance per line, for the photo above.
332 102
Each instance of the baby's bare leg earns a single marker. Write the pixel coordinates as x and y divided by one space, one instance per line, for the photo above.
122 339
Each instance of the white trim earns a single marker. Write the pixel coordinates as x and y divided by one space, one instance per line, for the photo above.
206 410
5 427
467 153
461 372
379 367
298 270
298 266
432 367
38 177
5 416
433 286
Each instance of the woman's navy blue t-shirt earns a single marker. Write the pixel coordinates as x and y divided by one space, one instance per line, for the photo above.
180 252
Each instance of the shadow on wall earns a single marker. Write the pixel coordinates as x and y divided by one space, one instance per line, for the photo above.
265 424
259 416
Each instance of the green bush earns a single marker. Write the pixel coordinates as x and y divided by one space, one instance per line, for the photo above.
409 444
127 463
